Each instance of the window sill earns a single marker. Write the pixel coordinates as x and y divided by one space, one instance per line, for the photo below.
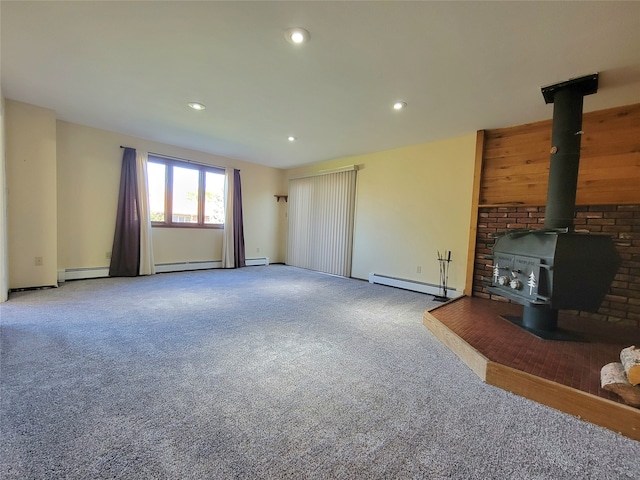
188 226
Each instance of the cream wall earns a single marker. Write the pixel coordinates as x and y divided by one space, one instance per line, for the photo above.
63 181
89 162
410 203
4 267
31 195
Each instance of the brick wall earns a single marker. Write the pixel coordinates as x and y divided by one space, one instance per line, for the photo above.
622 222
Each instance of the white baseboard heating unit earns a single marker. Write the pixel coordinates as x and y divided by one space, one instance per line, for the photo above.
186 266
254 262
412 285
99 272
82 273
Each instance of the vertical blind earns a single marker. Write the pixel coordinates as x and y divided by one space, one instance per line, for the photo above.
320 226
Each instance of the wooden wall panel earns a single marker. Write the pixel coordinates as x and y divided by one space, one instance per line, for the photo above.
515 164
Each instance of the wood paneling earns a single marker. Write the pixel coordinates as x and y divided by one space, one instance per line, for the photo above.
515 166
473 227
600 411
465 352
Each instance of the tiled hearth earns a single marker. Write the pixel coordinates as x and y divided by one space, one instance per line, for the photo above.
561 374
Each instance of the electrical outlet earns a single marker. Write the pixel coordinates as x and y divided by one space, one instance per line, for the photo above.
107 255
258 250
418 269
39 262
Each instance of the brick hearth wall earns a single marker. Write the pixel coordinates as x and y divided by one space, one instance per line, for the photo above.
622 222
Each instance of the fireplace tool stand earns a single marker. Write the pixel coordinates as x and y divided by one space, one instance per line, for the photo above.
444 260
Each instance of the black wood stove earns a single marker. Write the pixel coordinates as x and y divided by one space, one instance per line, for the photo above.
556 268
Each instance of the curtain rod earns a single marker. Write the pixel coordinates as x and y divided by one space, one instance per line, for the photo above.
169 157
183 160
347 168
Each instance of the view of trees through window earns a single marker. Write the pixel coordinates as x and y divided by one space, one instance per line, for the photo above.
185 194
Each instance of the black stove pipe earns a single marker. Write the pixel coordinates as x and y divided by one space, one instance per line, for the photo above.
565 158
566 134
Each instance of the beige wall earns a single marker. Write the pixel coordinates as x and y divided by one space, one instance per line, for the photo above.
31 195
89 162
4 267
411 202
63 180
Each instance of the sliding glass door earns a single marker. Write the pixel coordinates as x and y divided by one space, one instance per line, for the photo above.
320 222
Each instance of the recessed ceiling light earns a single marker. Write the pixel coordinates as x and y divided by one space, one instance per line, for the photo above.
292 138
399 105
196 106
297 35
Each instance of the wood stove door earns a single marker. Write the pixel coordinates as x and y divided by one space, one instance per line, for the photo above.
529 279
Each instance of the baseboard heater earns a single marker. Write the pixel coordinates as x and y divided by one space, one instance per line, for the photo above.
186 266
254 262
412 285
82 273
99 272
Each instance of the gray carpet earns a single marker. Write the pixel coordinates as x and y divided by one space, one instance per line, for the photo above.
264 372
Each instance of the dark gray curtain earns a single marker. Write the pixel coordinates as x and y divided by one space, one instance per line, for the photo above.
238 228
125 254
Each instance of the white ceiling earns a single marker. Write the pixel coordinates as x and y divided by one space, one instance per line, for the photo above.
132 67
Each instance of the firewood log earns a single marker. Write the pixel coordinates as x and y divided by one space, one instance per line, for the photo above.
630 358
614 379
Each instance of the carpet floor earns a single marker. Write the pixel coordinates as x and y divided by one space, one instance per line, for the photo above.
264 373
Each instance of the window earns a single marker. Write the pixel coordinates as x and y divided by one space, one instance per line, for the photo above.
183 194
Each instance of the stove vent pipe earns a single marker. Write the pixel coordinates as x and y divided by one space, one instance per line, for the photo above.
566 134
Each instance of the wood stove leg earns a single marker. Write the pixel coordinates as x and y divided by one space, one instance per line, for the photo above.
540 318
